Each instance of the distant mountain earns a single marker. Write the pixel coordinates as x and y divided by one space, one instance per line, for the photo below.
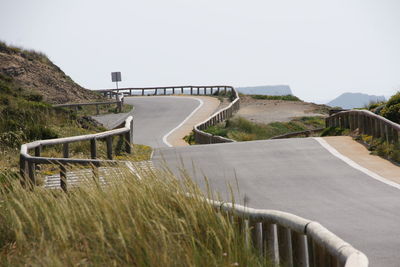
265 90
354 100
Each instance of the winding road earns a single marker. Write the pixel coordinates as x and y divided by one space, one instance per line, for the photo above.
299 176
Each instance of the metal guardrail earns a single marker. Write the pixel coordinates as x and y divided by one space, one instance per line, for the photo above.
290 240
119 102
200 136
367 123
28 163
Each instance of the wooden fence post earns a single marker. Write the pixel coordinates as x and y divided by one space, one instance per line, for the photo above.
256 236
270 242
109 141
31 173
299 249
128 139
63 169
38 151
285 246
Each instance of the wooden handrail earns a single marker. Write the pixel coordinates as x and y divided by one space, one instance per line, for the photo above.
201 137
28 162
300 242
119 102
367 123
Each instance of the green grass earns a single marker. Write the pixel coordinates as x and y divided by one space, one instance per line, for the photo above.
276 97
241 129
133 222
381 148
30 55
24 117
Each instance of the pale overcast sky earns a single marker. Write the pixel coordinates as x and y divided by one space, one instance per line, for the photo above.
321 48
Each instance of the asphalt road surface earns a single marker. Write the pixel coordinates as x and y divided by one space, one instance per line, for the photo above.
293 175
153 117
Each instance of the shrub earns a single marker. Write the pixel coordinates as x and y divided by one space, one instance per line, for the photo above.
392 109
34 97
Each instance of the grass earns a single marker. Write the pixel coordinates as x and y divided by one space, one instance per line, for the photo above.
24 117
30 55
276 97
381 148
136 222
241 129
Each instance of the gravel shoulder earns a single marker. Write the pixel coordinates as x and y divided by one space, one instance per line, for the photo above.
267 111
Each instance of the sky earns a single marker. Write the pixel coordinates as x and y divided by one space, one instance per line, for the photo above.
320 48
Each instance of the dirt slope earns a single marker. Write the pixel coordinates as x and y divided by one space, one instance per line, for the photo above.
267 111
34 71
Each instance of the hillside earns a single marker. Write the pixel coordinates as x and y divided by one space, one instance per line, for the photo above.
354 100
266 90
33 71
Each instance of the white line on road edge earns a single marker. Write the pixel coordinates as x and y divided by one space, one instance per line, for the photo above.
355 165
188 117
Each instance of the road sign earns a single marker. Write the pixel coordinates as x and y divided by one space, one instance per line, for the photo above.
116 76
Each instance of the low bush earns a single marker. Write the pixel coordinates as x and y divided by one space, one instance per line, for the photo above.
391 111
241 129
380 147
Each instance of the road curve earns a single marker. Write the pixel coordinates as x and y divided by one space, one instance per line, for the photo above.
154 117
293 175
301 177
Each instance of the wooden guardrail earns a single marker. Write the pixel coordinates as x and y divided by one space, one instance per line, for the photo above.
289 240
367 123
201 137
28 163
119 102
188 89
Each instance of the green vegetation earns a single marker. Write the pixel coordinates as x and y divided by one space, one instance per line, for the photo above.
24 117
222 94
276 97
190 138
335 131
30 55
241 129
380 147
391 111
132 222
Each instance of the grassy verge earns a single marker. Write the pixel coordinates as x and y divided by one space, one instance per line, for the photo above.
241 129
276 97
136 222
25 117
381 148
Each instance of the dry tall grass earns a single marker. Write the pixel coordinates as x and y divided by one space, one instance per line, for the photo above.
139 222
